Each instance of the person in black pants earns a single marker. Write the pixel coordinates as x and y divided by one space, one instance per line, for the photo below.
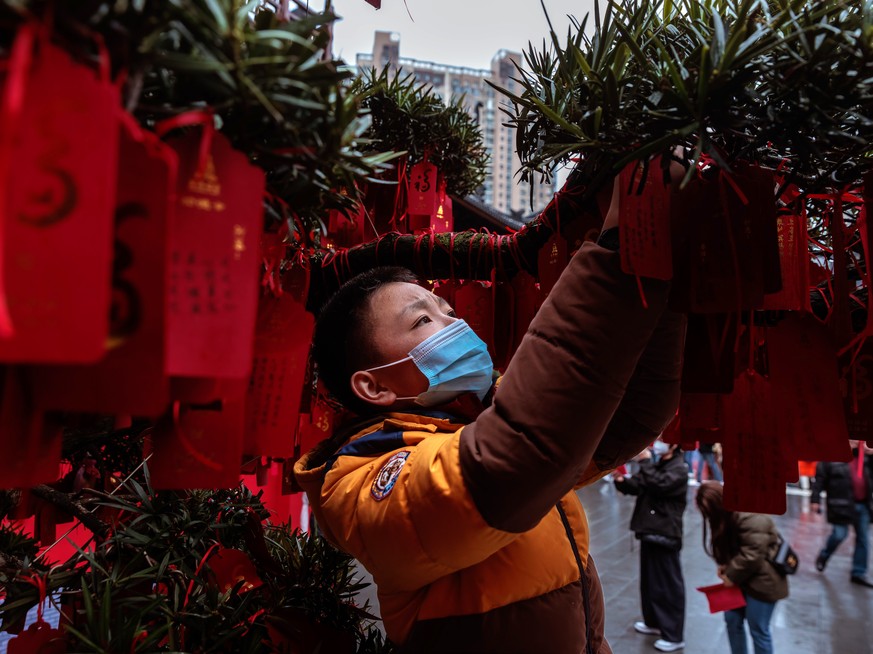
849 487
660 487
707 456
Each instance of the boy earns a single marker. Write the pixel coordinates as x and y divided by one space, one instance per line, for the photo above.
466 516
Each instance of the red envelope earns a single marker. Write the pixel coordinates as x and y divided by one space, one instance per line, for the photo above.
422 189
864 230
446 289
754 466
552 258
289 481
806 389
528 299
504 315
314 427
379 201
839 318
230 566
39 638
759 235
793 264
701 411
723 598
194 390
856 382
690 437
346 230
146 184
311 430
644 217
585 226
727 239
196 446
672 432
31 445
214 260
709 360
443 220
474 303
282 339
57 184
418 223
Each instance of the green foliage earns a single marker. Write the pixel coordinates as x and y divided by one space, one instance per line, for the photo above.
15 545
731 79
150 585
409 117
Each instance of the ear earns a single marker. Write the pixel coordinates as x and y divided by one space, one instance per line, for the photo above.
368 388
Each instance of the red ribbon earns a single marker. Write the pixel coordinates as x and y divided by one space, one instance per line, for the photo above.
188 445
20 62
195 118
401 190
39 582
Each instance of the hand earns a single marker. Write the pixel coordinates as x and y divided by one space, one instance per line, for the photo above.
727 582
611 215
618 479
815 508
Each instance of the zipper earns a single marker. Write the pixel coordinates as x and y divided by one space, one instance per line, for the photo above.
586 602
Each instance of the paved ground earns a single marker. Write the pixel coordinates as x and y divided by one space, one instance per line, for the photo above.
824 613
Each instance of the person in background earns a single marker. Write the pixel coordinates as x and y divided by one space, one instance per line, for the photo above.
661 487
707 455
690 458
849 488
742 545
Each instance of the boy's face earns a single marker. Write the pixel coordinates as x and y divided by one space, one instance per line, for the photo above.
401 315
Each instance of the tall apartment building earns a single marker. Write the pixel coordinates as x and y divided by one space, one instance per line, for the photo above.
502 189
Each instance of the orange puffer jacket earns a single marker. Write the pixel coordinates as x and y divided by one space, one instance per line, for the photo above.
473 534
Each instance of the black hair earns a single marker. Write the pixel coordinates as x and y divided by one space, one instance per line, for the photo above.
342 342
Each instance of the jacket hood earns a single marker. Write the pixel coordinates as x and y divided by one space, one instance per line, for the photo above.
311 469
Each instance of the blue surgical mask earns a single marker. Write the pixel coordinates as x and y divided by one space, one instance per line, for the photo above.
454 360
660 448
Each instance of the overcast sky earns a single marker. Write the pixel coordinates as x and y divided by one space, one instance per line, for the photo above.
455 32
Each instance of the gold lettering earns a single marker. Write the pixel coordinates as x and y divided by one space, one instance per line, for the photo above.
203 204
239 241
206 181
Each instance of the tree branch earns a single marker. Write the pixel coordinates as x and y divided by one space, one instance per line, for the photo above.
74 508
459 255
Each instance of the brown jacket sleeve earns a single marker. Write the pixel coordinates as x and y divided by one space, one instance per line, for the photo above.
651 398
561 390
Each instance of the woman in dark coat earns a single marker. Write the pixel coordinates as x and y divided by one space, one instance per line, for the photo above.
742 545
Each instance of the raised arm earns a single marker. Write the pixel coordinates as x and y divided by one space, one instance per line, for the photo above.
561 391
